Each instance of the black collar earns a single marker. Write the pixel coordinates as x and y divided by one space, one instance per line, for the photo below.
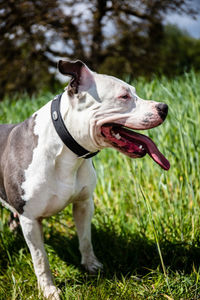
63 132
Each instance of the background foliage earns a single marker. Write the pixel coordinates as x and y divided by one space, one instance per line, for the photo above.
118 37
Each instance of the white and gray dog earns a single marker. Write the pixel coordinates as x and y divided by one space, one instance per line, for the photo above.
45 161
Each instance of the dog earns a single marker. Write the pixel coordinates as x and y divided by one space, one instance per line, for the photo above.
45 161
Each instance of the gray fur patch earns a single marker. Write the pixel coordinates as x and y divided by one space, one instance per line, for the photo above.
17 143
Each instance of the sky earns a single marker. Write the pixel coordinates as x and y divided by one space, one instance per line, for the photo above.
187 23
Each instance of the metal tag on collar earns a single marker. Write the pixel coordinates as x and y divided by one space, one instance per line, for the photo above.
55 115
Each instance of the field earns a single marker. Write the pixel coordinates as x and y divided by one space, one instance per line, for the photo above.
146 227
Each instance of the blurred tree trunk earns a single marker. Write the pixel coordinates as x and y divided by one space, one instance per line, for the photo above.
99 12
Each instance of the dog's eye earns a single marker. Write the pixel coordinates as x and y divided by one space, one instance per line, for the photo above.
126 96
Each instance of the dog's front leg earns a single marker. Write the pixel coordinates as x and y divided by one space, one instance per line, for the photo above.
83 212
32 230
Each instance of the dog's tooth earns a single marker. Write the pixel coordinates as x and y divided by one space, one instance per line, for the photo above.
117 136
141 147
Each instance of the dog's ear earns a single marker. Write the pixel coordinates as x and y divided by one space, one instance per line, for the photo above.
82 77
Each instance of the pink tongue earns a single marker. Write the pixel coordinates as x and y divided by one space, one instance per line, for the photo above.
157 156
151 148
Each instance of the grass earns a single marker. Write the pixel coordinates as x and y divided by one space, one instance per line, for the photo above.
146 227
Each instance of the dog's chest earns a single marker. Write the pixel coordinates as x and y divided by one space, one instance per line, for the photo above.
54 178
53 188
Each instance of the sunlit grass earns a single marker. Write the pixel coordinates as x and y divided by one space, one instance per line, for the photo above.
146 224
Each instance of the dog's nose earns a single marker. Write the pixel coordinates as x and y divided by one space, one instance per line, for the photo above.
162 109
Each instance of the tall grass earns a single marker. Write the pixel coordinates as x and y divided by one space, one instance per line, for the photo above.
146 228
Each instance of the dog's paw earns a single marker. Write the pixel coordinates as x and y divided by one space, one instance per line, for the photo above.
92 265
51 292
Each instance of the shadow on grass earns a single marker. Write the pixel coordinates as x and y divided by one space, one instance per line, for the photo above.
10 245
128 254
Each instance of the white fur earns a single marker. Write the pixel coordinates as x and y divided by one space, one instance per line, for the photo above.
57 177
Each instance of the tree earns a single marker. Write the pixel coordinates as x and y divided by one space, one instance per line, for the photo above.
179 52
28 30
35 33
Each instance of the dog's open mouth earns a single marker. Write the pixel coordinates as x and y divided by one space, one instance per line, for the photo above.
133 144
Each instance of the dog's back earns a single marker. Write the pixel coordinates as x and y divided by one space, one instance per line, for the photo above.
16 148
5 130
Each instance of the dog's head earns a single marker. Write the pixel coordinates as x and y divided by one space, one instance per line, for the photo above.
112 110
